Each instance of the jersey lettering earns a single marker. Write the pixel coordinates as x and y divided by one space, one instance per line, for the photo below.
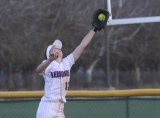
60 74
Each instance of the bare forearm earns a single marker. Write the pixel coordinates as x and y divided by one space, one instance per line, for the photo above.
43 66
85 41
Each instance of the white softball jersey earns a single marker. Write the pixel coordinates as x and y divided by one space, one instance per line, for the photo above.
57 77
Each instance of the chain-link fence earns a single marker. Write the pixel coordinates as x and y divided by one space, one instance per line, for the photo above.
146 107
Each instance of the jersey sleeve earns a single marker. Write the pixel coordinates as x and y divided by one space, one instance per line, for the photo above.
69 60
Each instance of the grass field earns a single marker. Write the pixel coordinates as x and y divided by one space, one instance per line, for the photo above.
115 108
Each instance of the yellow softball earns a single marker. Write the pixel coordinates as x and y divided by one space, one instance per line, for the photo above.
101 17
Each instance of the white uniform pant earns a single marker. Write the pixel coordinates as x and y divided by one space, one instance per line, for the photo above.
50 110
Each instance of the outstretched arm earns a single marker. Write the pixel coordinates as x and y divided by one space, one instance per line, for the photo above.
100 19
85 41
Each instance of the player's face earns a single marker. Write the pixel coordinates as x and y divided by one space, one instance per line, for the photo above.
60 54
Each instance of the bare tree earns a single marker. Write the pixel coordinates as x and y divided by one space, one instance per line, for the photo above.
27 27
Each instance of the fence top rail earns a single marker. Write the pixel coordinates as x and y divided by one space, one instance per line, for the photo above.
84 93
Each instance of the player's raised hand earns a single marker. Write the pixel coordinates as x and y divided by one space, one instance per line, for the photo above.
53 55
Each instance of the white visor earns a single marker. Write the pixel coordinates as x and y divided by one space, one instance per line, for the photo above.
57 43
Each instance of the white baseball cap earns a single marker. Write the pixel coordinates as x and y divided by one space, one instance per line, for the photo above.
57 43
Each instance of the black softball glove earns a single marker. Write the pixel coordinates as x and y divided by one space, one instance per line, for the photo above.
97 23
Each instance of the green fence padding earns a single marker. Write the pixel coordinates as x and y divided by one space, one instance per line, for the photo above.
88 108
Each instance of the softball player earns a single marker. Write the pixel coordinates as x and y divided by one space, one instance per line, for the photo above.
56 73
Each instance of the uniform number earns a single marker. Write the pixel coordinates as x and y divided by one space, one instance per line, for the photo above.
66 85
